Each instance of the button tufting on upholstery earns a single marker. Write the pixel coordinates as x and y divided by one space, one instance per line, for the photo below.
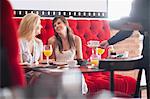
98 36
86 35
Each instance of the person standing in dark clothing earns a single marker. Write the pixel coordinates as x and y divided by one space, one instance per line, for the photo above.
139 19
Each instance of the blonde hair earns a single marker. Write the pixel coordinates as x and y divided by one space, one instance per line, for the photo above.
28 25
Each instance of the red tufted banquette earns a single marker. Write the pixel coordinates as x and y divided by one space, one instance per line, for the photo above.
86 29
92 30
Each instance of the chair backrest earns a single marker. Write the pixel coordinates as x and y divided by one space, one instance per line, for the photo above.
86 29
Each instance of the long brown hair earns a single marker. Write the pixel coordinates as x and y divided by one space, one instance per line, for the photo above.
69 34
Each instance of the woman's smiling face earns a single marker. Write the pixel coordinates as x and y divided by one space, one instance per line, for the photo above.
60 26
38 27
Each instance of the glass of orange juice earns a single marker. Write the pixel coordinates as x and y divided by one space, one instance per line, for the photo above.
47 52
94 60
100 51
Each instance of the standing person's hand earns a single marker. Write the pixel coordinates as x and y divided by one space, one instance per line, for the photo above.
104 44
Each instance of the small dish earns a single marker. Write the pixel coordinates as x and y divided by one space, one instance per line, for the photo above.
62 66
45 62
59 63
93 43
76 66
72 63
25 64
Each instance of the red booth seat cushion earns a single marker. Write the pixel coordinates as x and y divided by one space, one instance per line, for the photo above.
91 30
98 81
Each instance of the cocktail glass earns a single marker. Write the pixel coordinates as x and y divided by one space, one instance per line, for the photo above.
100 51
47 52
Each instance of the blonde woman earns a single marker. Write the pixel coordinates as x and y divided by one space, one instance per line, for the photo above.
30 46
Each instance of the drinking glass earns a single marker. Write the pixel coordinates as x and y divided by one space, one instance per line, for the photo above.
100 51
47 52
94 60
96 56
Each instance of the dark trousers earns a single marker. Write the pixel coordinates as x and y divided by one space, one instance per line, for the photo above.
146 61
144 64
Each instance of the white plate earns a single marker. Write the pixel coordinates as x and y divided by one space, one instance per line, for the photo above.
76 66
45 62
59 63
24 64
123 59
92 46
51 70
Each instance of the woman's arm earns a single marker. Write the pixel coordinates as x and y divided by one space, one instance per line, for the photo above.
40 46
78 45
20 51
41 53
51 41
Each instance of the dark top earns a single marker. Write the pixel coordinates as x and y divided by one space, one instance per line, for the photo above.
139 13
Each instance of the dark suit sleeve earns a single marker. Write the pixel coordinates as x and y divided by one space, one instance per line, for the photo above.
121 35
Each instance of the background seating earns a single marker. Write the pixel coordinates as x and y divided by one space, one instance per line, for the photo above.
86 29
92 30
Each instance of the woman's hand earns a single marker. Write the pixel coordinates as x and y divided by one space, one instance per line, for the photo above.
78 44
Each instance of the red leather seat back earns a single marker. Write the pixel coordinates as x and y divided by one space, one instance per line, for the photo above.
86 29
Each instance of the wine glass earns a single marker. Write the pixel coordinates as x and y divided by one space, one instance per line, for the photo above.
47 52
100 51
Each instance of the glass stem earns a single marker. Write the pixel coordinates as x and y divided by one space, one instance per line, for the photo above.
93 50
100 57
47 59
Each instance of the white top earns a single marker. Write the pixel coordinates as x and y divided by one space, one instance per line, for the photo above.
65 55
26 54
